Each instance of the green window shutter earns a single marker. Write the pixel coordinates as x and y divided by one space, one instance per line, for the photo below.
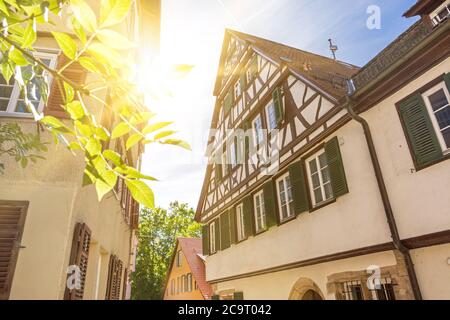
217 228
215 297
336 167
224 230
248 216
205 240
218 172
243 82
447 80
269 205
299 187
233 230
228 102
278 103
238 295
421 134
254 65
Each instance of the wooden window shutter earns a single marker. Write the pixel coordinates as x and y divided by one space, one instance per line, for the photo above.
79 257
125 284
243 81
12 221
239 295
114 278
336 167
299 189
74 72
218 172
248 216
225 230
228 102
254 66
421 134
217 229
205 240
447 80
269 204
233 229
278 103
134 215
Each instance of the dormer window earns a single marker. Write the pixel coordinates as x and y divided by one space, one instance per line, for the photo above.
237 90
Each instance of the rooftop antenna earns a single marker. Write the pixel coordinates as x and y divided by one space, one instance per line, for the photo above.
333 48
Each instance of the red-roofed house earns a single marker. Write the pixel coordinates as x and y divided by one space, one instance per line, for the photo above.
186 277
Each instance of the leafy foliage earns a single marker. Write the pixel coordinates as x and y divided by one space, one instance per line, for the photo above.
158 230
23 147
104 53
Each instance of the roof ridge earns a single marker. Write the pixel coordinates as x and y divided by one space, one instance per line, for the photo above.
291 47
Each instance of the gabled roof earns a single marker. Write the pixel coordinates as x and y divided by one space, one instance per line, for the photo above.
328 74
192 251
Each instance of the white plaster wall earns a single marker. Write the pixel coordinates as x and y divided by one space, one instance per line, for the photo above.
278 285
354 221
420 200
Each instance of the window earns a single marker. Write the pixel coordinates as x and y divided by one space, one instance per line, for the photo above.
12 100
440 14
271 116
237 90
249 75
258 130
353 290
234 153
172 287
437 101
319 178
189 282
285 199
240 222
212 237
260 215
179 257
384 291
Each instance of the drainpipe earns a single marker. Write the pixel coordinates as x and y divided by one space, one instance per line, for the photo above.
385 198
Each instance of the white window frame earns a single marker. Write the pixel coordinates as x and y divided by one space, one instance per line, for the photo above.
322 184
287 191
261 212
432 115
258 134
16 90
269 124
240 222
212 237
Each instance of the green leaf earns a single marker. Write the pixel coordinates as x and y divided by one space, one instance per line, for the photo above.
106 55
29 37
66 43
52 122
121 129
89 64
7 71
141 193
132 140
84 129
79 31
105 184
93 147
154 127
113 12
132 173
76 110
3 8
102 133
164 134
17 57
176 142
114 40
84 14
114 157
70 93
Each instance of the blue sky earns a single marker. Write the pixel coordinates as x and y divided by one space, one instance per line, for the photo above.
192 33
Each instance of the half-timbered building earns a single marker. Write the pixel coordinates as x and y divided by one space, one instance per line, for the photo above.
329 181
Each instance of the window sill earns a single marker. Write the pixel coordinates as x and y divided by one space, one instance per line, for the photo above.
445 156
16 115
288 219
322 205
